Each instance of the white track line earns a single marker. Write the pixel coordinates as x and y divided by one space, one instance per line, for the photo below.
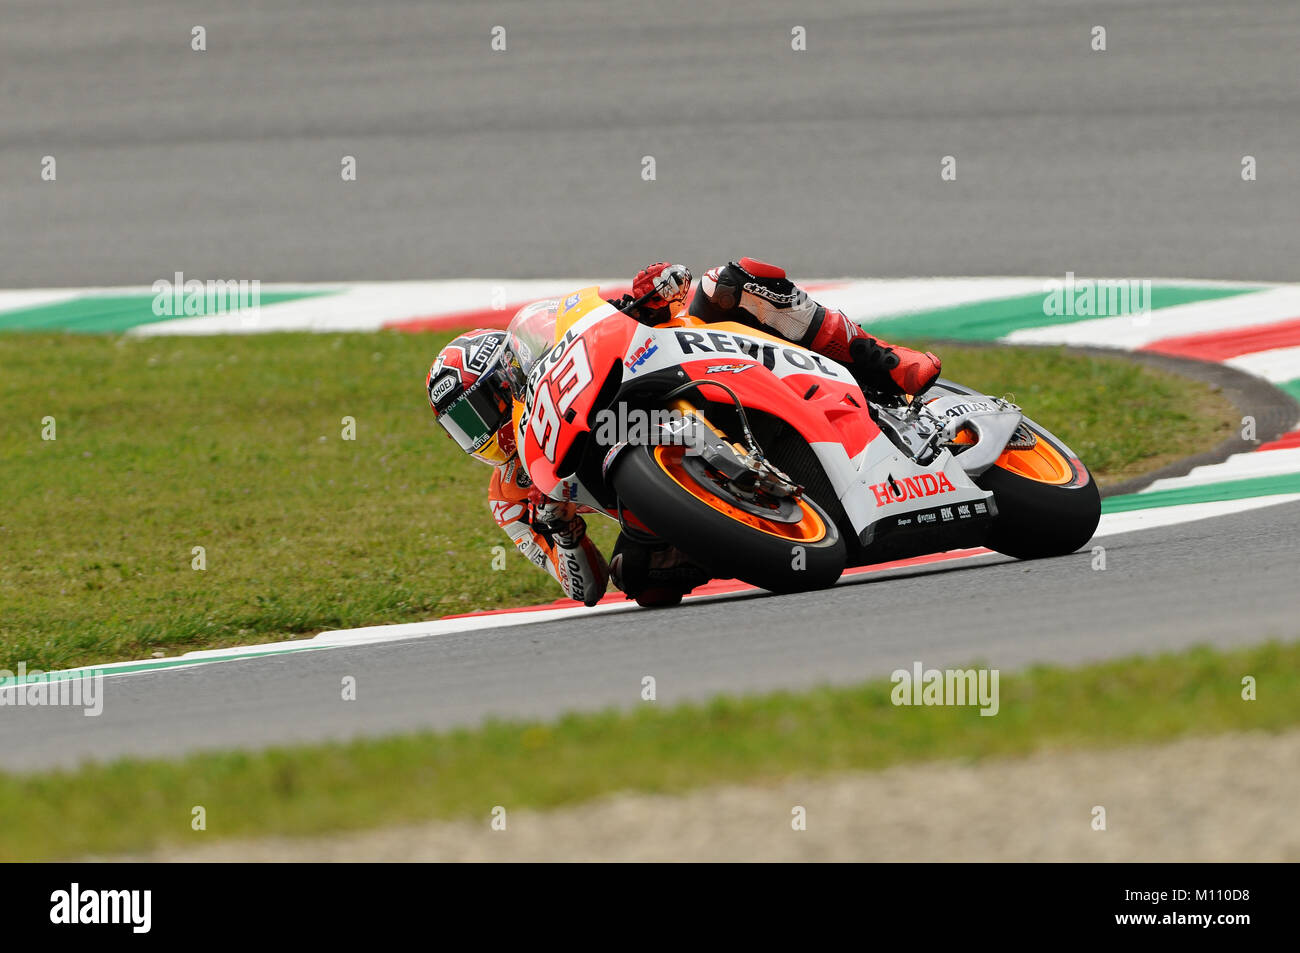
882 298
367 306
1134 520
1131 332
1239 466
19 300
1276 365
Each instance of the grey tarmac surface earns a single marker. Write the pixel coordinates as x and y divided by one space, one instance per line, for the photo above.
528 162
1226 581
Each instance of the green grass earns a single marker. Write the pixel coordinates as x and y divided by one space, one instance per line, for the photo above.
234 444
136 805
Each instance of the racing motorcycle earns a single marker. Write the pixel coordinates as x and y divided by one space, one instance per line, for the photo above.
764 461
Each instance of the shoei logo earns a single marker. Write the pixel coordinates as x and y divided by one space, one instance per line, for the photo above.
441 388
640 355
911 488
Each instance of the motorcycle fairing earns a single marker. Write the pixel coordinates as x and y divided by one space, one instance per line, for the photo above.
776 376
875 482
885 489
879 487
564 384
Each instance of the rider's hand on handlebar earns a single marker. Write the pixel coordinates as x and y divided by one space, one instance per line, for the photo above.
560 519
662 285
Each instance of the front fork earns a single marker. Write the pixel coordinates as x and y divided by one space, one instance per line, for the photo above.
745 467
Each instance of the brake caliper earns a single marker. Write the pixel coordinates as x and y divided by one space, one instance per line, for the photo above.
746 471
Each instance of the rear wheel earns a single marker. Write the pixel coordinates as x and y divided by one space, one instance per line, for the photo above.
1047 501
784 544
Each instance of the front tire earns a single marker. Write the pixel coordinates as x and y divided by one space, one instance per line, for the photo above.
718 534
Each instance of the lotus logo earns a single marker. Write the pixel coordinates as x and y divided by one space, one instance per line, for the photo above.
486 347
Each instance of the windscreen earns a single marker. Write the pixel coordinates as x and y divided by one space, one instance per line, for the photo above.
531 334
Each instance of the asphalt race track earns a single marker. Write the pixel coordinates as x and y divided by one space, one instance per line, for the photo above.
1223 581
526 163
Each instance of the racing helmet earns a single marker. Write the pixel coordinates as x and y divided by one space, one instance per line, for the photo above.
469 391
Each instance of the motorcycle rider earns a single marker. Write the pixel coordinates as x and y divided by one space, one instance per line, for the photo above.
758 294
470 394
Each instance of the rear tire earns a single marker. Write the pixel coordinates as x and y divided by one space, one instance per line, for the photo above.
724 546
1037 519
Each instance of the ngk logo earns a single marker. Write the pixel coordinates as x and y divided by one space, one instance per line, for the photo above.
911 488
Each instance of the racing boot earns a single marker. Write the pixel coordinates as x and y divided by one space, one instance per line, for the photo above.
875 365
760 294
656 576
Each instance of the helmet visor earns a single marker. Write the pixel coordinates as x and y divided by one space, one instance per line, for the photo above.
475 416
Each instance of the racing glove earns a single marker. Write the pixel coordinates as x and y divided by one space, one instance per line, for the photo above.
661 288
579 567
559 520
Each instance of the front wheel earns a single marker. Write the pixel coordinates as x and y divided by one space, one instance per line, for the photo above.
1047 501
780 544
